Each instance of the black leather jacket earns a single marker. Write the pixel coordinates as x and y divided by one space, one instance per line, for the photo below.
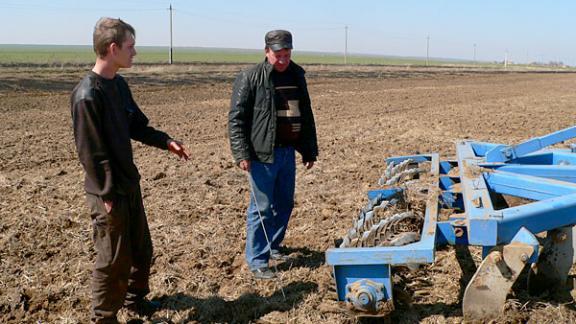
252 117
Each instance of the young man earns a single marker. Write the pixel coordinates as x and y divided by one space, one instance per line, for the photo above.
270 118
105 118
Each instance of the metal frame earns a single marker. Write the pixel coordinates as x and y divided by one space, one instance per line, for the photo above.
545 177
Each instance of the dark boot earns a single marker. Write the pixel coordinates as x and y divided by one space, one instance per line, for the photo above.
143 307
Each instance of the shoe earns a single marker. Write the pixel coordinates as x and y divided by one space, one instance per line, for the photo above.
278 256
109 320
263 273
144 307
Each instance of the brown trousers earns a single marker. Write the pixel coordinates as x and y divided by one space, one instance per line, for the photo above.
123 254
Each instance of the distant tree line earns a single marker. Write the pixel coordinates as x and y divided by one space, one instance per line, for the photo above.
550 64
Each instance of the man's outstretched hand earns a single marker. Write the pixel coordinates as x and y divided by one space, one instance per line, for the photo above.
108 204
178 149
244 165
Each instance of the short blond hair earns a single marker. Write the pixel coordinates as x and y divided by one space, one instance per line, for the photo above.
108 31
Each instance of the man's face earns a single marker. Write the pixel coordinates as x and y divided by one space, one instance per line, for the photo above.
126 53
279 59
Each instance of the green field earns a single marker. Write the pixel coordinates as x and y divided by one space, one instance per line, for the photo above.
63 55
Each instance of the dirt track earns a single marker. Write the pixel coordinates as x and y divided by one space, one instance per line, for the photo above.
196 209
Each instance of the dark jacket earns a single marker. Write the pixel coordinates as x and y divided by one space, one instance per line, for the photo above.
252 117
105 118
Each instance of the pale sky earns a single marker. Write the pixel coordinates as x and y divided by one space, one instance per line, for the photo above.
524 31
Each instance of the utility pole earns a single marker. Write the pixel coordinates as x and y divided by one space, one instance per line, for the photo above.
345 45
427 50
170 52
474 53
505 60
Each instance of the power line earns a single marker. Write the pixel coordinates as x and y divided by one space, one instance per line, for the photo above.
70 8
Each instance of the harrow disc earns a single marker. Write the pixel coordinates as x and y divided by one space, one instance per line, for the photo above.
393 222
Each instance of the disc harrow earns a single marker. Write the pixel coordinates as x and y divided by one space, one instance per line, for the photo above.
495 196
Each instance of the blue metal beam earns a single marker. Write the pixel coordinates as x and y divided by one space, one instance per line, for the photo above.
507 153
481 148
556 172
541 157
525 186
418 253
536 217
563 157
417 158
446 166
482 229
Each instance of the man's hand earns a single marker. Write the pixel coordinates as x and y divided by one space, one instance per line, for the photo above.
308 164
108 205
178 149
244 165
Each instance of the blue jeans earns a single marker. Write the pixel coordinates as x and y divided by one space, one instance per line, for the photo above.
273 196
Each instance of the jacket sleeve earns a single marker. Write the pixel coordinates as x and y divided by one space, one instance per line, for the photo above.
140 130
308 146
240 118
92 150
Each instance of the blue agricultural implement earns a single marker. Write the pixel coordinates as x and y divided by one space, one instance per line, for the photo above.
516 202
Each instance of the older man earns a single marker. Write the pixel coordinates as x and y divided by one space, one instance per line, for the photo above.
270 118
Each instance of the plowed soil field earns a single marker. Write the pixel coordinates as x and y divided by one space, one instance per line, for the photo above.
196 208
